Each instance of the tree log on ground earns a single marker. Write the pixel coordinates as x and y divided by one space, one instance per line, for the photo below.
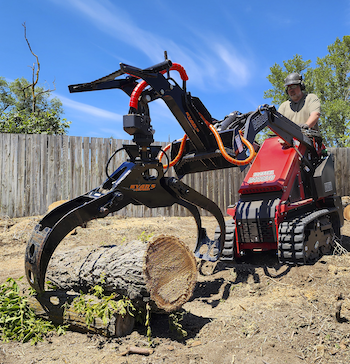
164 271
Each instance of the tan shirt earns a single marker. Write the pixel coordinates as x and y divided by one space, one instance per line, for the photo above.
300 111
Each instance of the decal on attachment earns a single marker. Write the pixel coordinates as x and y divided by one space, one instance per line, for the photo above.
143 187
328 187
194 126
259 121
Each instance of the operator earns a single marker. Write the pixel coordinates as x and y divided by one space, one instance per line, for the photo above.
303 109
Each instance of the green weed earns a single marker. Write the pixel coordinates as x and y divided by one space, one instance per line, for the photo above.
175 319
145 237
17 320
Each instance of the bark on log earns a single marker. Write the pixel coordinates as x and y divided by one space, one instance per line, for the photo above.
163 271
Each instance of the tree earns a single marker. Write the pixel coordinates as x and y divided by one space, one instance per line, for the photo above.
330 81
16 110
26 107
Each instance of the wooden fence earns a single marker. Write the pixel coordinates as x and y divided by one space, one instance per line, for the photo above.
36 170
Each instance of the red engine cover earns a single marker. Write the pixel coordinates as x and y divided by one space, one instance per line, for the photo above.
271 169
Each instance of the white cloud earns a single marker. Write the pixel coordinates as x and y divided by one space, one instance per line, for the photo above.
117 23
88 109
238 70
207 59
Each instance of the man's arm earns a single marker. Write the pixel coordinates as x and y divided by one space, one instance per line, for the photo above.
313 119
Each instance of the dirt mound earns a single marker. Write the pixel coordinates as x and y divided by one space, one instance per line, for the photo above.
254 312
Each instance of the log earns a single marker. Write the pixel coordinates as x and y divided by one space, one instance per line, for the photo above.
346 207
163 271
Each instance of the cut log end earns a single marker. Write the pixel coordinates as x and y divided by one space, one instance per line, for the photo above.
346 212
171 272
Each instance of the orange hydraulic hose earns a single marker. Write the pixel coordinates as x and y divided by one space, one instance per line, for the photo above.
134 102
178 156
222 147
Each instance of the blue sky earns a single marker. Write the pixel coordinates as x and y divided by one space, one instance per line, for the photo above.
227 48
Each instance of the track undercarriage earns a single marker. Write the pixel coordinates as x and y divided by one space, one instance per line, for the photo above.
301 240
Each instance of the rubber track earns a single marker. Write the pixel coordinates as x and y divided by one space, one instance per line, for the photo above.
227 252
292 235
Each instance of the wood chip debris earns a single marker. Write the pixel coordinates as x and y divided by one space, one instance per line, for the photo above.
137 350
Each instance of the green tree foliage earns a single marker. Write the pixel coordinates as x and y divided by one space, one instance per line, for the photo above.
27 107
17 114
18 320
330 81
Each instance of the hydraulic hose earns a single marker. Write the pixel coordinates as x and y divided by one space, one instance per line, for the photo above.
179 153
222 149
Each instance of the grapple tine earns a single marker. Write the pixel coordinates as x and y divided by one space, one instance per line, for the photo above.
214 247
50 231
190 198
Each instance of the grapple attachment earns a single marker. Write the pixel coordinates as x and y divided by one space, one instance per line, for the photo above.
115 193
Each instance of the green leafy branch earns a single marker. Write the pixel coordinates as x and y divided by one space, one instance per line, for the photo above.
144 237
104 307
17 320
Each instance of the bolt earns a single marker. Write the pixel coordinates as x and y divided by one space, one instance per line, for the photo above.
103 210
162 92
118 196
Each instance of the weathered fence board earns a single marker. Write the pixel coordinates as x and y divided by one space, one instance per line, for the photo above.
36 170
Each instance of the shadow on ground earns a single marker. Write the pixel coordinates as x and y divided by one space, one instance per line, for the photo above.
161 328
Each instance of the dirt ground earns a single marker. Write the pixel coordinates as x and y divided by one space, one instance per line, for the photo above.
255 312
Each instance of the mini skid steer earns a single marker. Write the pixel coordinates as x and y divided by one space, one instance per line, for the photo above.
287 202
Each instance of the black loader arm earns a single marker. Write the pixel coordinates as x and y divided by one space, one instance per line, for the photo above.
267 116
230 132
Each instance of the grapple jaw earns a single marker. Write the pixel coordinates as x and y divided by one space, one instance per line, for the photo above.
50 231
160 192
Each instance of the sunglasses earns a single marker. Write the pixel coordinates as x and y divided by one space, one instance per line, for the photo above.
292 87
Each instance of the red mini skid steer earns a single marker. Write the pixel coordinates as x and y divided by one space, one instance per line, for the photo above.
287 201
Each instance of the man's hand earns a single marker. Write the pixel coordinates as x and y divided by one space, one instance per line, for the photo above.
304 126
